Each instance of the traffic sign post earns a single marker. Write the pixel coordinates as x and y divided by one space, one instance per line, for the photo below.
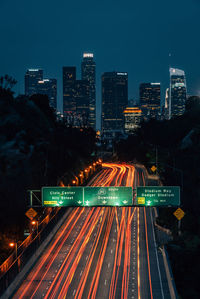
158 196
31 213
153 168
179 214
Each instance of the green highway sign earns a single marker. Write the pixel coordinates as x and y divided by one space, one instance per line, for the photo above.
158 196
62 196
108 196
86 196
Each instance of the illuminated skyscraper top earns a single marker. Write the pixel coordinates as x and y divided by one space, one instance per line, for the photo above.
88 73
177 94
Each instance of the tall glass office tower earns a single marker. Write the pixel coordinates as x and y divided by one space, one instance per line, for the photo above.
88 73
114 101
150 100
177 92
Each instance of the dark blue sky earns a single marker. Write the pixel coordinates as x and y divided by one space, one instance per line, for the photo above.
132 36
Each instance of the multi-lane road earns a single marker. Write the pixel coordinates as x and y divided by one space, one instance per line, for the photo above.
102 252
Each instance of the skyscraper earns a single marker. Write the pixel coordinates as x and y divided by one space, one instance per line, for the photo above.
76 98
69 81
49 87
35 84
32 77
177 92
114 101
150 100
81 97
88 73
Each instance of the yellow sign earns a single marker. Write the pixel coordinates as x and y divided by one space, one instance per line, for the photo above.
31 213
153 168
179 213
141 200
46 202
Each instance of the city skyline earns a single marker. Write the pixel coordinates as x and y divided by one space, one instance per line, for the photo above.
143 39
137 101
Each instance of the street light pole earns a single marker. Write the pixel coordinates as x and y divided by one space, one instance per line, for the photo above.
14 244
156 160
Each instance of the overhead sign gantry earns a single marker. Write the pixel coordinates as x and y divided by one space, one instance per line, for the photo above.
110 196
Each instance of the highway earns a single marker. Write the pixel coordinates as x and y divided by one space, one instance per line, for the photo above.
102 252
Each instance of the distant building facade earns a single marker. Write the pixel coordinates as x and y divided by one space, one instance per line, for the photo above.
114 101
177 92
36 84
150 100
132 119
49 88
69 82
88 73
76 98
32 77
82 103
166 108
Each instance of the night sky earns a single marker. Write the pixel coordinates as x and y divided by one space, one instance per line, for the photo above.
130 36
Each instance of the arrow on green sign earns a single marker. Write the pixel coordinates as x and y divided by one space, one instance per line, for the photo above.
125 201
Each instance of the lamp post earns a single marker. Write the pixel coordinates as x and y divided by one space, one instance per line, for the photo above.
35 224
14 245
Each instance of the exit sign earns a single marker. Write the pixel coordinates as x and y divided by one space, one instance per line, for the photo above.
158 196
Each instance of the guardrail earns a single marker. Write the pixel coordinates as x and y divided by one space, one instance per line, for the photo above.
169 274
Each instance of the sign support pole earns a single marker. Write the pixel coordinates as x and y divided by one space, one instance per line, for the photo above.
179 227
31 198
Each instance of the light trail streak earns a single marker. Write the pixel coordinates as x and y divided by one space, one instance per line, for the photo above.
53 257
69 257
82 283
101 220
73 267
138 251
116 217
72 216
118 252
95 280
147 246
126 267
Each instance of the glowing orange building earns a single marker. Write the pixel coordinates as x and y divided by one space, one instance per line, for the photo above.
132 119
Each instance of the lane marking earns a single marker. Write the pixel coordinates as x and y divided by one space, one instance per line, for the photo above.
154 239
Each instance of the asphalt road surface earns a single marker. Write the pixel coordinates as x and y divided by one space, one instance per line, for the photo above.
102 252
